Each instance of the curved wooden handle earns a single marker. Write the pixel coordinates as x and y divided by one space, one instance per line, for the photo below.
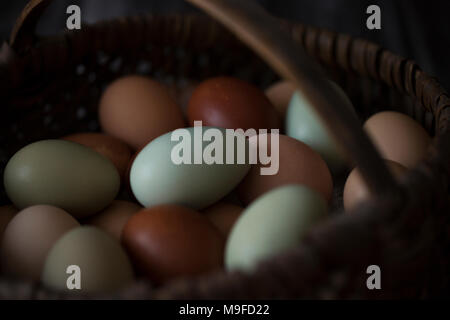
24 29
262 33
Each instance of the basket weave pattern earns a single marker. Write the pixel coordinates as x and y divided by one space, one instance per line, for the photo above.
53 88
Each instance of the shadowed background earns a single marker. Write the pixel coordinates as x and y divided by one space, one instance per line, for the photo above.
417 29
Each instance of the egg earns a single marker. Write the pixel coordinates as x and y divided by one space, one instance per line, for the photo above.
137 109
231 103
356 190
272 224
168 242
104 267
223 216
298 164
6 214
113 219
398 137
304 124
112 148
280 94
63 174
155 178
29 237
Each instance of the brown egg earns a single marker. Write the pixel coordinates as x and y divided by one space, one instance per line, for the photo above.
112 220
356 190
112 148
398 137
29 237
6 215
223 215
231 103
137 110
298 164
280 94
168 242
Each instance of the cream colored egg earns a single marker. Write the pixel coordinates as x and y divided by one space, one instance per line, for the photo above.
398 137
356 190
29 237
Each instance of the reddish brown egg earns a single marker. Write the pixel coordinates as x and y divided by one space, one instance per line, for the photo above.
169 241
223 215
112 148
232 103
298 164
137 110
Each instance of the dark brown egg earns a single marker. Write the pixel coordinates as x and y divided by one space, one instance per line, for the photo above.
231 103
298 164
167 242
112 148
223 215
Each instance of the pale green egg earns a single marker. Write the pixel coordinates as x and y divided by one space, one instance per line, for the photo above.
156 177
273 223
63 174
304 124
87 260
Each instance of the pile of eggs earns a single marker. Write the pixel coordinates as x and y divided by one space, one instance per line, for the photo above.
114 206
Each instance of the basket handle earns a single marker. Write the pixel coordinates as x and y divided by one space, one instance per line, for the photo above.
23 33
260 31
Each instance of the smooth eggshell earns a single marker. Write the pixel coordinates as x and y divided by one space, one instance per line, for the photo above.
6 214
304 124
155 179
280 94
398 137
223 215
113 219
168 242
61 173
104 265
298 164
137 109
29 237
231 103
356 190
112 148
272 224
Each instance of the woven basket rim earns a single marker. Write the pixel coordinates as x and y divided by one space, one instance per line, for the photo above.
388 68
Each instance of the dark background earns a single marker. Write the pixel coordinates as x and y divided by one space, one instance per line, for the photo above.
417 29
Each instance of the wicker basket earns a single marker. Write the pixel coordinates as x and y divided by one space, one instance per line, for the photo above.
50 87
